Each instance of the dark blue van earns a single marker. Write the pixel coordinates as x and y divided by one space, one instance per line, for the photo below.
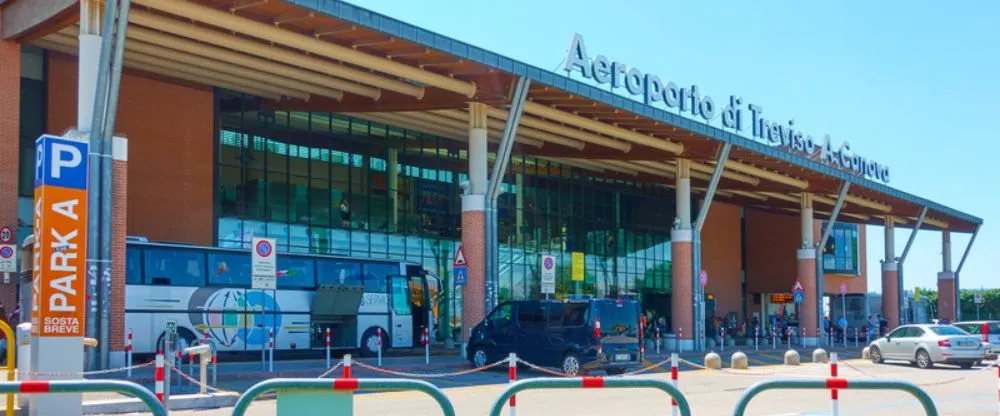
561 334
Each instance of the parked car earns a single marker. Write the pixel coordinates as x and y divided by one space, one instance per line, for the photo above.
927 345
989 331
574 336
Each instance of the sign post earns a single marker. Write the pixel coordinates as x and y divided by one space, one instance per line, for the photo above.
578 270
548 275
8 253
59 286
979 302
263 276
843 305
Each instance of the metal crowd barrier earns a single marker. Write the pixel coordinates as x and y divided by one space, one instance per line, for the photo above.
85 386
835 383
590 383
343 385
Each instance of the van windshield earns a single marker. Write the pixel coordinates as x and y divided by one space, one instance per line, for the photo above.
618 318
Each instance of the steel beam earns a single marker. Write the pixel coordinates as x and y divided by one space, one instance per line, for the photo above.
913 234
902 258
698 305
819 253
958 271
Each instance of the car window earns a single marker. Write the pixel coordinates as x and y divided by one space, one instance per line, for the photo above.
898 333
530 315
994 327
974 329
568 315
948 330
501 316
915 332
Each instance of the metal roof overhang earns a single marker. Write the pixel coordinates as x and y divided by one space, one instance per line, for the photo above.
330 56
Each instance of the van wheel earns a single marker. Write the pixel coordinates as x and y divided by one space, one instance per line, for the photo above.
571 364
924 360
369 343
479 358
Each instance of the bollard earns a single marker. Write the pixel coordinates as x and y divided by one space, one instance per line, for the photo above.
739 361
427 346
191 369
713 361
642 340
597 335
179 365
722 331
774 338
657 340
791 357
270 350
803 338
215 369
347 366
680 335
788 334
855 337
512 377
158 377
845 337
833 392
128 354
819 336
673 379
756 335
819 355
328 348
379 345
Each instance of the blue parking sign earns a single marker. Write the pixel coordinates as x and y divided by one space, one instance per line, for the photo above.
460 276
798 297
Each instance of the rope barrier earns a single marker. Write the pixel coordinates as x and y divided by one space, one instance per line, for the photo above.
86 373
430 375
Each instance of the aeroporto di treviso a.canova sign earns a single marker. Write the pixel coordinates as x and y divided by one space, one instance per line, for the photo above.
688 100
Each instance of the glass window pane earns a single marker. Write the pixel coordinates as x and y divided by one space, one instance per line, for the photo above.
295 273
338 272
133 264
401 296
175 267
375 276
229 269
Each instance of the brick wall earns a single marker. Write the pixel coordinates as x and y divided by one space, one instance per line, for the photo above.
10 106
720 257
119 217
170 131
771 242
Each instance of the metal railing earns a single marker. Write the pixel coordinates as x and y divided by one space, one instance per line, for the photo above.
11 366
838 384
590 383
85 386
343 385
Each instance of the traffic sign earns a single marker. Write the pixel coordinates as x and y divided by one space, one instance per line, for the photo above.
6 235
979 298
459 258
703 278
8 258
548 274
461 276
797 287
843 288
264 264
916 294
798 297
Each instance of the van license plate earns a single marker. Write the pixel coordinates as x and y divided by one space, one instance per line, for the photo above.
622 357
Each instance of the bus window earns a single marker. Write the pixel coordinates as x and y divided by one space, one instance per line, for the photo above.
231 270
375 275
400 296
133 266
175 267
338 272
295 273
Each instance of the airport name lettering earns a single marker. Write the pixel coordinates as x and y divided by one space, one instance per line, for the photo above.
690 100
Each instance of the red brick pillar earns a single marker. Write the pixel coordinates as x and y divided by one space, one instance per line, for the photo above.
10 132
807 276
119 206
681 287
946 296
890 293
474 249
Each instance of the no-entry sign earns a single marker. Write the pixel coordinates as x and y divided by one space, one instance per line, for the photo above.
6 235
703 278
548 275
264 264
843 288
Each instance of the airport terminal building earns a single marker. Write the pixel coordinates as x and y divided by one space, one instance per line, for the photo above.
339 131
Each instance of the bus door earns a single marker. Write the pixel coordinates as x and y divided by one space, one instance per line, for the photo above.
400 312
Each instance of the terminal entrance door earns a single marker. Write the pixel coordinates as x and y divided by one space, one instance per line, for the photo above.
400 312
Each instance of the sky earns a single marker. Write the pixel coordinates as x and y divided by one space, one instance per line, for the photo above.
911 87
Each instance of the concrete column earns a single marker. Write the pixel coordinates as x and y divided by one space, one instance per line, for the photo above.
10 129
681 277
890 277
474 224
119 226
946 282
89 61
806 264
890 239
393 183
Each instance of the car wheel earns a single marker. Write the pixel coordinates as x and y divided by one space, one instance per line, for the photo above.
876 355
369 343
966 366
479 358
924 360
571 364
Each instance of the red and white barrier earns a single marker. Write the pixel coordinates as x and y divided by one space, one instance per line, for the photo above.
379 345
328 348
426 339
158 377
673 379
834 399
128 354
347 366
270 350
512 377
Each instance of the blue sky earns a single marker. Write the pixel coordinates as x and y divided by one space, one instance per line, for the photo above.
911 87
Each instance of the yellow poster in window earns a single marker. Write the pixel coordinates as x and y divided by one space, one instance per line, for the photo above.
577 266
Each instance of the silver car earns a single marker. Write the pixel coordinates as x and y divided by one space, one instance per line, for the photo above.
988 330
927 345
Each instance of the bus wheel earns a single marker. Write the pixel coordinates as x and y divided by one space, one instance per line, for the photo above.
369 343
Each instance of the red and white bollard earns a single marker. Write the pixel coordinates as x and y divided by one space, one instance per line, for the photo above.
128 354
347 366
722 332
328 348
673 379
512 377
158 377
680 336
788 335
803 337
855 337
379 345
597 337
998 387
642 341
426 338
756 336
657 340
270 350
833 392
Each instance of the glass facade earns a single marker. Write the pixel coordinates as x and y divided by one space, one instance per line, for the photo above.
842 252
328 183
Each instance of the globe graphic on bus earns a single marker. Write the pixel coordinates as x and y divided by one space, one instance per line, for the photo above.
233 316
